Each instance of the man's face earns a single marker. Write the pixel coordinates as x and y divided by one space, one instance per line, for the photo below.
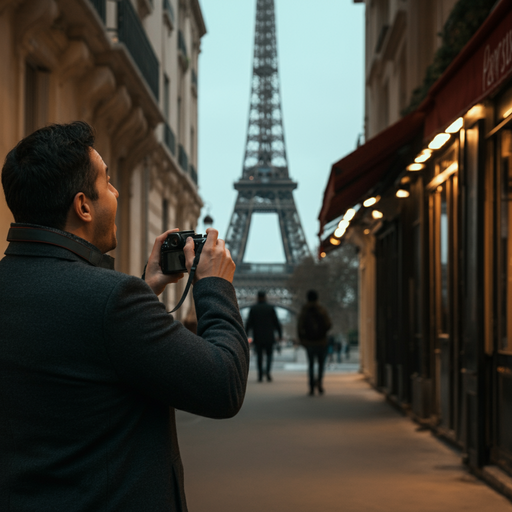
105 207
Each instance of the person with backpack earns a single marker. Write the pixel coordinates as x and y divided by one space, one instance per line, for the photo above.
312 326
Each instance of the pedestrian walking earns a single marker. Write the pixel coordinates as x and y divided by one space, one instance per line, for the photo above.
263 323
312 326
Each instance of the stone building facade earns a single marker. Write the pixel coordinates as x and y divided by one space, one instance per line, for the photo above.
401 38
129 68
427 199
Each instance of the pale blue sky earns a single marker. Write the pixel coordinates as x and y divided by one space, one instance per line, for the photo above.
320 48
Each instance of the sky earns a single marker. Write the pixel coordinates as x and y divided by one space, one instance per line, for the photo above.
320 48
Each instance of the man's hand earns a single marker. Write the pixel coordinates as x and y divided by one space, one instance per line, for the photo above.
156 280
215 259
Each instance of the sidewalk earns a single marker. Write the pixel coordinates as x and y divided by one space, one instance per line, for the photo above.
345 451
295 359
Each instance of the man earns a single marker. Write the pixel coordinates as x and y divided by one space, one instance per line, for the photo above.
263 322
312 326
92 366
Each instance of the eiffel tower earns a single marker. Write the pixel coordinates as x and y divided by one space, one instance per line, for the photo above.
265 186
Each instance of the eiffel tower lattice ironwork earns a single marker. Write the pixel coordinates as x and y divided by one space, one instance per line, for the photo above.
265 186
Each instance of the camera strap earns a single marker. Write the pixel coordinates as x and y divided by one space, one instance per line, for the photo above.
190 277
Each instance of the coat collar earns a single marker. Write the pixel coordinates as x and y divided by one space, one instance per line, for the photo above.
35 240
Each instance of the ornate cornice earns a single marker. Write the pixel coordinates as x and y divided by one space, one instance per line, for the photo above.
30 19
100 83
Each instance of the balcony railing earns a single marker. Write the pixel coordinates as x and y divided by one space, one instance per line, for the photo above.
169 139
182 158
101 8
193 173
169 11
182 47
132 34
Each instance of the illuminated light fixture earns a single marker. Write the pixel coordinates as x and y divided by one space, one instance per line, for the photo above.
415 167
423 156
334 241
251 177
323 255
477 111
455 126
507 113
349 214
366 231
371 201
343 224
340 232
439 141
377 215
402 193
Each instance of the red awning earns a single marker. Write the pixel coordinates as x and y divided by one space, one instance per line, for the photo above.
480 69
357 173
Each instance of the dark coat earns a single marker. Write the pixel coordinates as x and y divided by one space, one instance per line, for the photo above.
302 320
263 322
92 368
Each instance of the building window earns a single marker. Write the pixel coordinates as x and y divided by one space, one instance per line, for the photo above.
403 97
192 143
37 83
165 215
384 107
167 94
179 119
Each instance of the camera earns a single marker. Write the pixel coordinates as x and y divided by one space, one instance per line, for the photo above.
172 259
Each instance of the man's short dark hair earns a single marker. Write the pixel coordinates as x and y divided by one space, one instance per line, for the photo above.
261 295
312 296
44 172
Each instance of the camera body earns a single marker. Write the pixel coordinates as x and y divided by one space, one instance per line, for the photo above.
172 258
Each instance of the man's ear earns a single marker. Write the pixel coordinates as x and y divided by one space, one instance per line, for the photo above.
81 207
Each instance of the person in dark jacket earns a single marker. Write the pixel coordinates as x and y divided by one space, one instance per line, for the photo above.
92 365
312 326
263 323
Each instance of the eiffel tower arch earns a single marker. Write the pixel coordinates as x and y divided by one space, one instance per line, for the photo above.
265 185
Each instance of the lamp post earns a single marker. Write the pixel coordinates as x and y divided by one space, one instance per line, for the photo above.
207 219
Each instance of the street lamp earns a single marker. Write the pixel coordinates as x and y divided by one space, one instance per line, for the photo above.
207 219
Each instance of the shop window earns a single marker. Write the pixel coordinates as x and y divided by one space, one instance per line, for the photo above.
444 237
443 190
505 239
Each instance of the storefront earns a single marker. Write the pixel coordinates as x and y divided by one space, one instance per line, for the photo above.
433 221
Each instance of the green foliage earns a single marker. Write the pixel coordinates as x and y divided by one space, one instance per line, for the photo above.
335 278
464 20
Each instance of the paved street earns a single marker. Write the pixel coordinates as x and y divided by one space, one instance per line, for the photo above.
345 451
